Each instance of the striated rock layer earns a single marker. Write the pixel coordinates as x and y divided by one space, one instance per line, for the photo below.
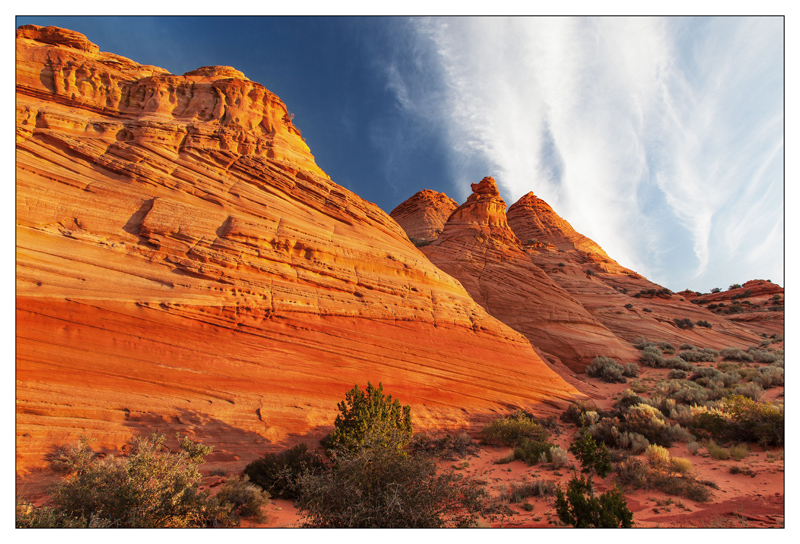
605 288
423 215
184 264
479 249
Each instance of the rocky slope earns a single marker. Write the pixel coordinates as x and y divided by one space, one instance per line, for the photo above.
423 215
533 271
183 264
478 247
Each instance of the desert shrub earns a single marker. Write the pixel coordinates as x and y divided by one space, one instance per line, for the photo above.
511 430
633 441
657 456
735 354
246 499
678 363
769 376
369 417
677 374
652 357
636 474
631 370
518 492
606 369
717 452
716 290
531 452
764 356
727 366
587 419
448 447
734 286
751 390
650 423
380 486
148 488
682 391
739 451
681 465
558 457
697 355
573 412
686 346
705 324
684 323
278 473
629 306
641 342
693 447
648 310
580 508
752 421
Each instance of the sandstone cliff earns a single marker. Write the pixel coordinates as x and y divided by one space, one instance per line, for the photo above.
184 264
423 215
478 248
533 271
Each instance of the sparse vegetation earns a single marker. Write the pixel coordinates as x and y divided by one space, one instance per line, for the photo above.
148 488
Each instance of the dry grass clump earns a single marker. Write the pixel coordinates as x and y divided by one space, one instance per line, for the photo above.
657 456
634 473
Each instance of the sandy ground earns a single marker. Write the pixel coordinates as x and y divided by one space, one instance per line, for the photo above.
753 499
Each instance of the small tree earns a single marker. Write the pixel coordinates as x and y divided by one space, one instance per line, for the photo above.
370 418
579 507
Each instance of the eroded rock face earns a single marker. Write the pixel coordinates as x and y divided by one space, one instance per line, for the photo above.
423 215
625 302
478 248
183 264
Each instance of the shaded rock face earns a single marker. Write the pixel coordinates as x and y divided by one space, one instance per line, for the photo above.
183 264
478 248
605 288
423 215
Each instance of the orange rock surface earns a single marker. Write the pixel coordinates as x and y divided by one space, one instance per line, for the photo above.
604 287
478 248
423 215
183 264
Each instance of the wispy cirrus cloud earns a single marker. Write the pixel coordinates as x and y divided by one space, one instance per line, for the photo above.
660 138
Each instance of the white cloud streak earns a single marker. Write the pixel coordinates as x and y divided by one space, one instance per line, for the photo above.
661 139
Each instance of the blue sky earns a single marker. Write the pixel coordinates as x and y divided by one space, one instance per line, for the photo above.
659 138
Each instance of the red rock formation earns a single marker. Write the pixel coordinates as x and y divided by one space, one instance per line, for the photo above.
604 287
423 215
183 264
478 248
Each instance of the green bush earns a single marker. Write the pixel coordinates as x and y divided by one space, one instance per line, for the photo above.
148 488
278 473
369 417
580 508
380 486
684 323
753 421
608 370
705 324
246 499
513 429
530 452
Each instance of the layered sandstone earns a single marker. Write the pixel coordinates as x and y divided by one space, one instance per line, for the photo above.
478 248
423 215
184 264
605 288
